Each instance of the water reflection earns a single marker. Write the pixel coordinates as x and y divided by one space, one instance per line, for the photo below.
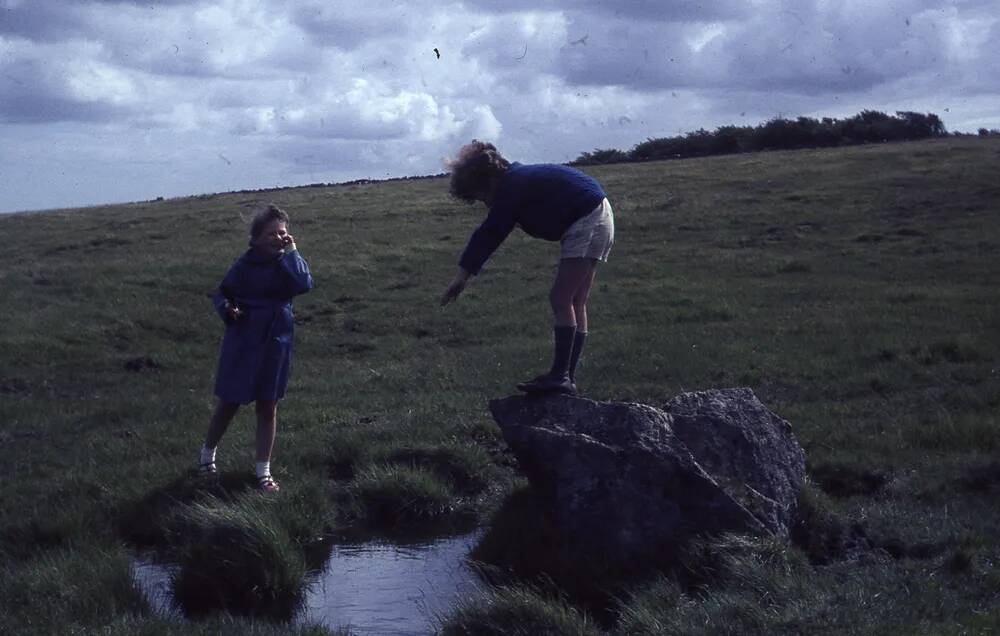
153 580
384 588
371 587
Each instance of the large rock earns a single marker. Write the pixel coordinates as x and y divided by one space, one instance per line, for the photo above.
631 480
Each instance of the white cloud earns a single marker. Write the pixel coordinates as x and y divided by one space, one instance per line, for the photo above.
306 90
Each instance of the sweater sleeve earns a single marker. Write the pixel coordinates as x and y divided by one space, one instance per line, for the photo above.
487 238
298 271
225 295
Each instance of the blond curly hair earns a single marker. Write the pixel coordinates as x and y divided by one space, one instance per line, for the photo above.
471 171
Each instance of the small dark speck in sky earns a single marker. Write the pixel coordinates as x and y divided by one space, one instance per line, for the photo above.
437 53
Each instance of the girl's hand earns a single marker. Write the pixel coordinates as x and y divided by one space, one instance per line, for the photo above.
233 312
455 287
288 243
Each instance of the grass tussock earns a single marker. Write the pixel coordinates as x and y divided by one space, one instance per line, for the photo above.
518 611
465 468
387 496
221 625
305 508
236 558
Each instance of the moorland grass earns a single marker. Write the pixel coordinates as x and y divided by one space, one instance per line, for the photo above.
518 611
853 289
235 557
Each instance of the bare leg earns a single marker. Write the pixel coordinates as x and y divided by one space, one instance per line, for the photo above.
266 426
581 296
568 295
221 417
580 310
574 275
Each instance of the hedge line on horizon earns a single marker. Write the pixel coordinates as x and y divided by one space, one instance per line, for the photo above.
868 126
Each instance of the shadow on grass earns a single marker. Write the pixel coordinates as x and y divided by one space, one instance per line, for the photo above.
842 480
523 546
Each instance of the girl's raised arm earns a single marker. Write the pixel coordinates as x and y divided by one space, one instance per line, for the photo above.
298 271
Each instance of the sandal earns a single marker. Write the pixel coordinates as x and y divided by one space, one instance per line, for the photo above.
267 484
207 468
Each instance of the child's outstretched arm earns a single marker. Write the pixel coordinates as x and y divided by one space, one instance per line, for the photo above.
483 242
456 286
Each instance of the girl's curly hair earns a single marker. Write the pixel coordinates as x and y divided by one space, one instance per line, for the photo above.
477 162
266 214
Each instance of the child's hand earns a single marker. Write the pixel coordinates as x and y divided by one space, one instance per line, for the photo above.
288 243
455 287
233 312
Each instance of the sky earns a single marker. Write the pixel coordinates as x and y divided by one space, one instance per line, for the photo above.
107 101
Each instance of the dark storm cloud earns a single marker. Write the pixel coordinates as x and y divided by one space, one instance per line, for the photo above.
52 20
34 92
43 20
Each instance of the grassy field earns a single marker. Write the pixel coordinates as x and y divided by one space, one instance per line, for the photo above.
855 290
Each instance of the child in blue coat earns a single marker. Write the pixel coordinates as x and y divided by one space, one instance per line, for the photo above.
255 302
547 201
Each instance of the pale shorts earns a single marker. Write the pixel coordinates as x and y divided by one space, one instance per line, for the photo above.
591 236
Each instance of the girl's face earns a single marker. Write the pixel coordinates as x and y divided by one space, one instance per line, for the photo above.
272 239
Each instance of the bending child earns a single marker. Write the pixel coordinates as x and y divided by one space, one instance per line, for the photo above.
547 201
255 302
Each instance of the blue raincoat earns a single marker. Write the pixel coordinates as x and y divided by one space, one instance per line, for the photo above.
257 347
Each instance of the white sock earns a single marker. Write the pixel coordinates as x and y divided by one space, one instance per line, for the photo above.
263 469
207 455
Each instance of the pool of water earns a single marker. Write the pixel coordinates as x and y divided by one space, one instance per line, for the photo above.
387 588
371 587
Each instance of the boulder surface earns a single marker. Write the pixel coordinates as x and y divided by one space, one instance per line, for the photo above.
632 480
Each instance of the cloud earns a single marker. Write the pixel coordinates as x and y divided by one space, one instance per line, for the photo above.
656 10
42 20
331 24
305 91
361 112
70 86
